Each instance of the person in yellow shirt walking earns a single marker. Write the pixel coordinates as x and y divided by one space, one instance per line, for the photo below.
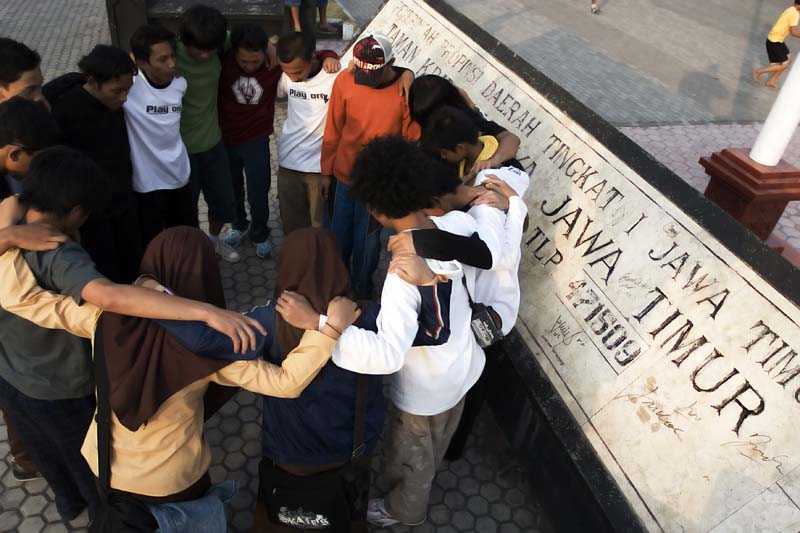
777 51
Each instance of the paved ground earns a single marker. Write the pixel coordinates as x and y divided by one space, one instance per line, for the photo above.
639 61
680 148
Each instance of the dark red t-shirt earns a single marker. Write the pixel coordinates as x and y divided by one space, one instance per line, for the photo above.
246 101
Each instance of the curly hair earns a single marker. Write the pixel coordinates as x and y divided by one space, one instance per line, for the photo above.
394 177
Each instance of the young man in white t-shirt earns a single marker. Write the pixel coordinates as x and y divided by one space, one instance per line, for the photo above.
153 116
307 85
391 177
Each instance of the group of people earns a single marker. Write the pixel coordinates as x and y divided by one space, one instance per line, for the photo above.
115 343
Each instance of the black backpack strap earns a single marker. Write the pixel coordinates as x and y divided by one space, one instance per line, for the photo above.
466 288
103 416
360 419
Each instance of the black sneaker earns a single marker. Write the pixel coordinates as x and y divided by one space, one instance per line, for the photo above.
22 475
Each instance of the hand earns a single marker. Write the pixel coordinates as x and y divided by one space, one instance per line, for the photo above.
236 326
413 269
37 237
331 65
486 164
491 198
401 243
342 312
406 79
351 66
493 183
325 186
11 211
295 309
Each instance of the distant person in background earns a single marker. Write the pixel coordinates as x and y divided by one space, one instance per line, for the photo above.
322 5
777 51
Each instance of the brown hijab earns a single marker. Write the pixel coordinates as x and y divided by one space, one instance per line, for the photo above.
310 263
145 364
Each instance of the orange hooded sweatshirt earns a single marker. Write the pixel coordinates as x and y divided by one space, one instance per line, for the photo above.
356 115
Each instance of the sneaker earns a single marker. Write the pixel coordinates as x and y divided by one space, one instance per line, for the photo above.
263 249
226 251
595 9
234 237
20 474
377 515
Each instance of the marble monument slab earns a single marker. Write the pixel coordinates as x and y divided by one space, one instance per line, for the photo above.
678 357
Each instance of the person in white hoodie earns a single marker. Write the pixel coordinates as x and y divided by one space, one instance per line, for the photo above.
392 178
497 281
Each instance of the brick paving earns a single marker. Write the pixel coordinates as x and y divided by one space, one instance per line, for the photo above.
638 61
680 147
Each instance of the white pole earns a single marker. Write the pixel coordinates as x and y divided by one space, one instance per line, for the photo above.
781 122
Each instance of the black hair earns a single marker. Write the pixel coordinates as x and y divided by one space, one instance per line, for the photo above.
249 36
393 177
203 27
429 93
294 45
145 37
15 58
105 63
447 128
444 179
27 123
61 179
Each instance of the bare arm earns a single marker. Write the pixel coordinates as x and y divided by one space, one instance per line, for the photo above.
794 31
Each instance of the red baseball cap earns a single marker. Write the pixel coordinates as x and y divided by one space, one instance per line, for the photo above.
370 55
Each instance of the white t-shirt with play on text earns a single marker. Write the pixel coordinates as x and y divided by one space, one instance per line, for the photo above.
153 116
300 143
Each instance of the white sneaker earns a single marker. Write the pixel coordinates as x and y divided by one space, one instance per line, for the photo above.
234 236
377 515
226 252
595 9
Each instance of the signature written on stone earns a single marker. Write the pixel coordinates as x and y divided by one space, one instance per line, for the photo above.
753 449
563 333
649 407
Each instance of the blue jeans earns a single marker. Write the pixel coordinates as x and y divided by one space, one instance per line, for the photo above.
359 237
204 515
251 158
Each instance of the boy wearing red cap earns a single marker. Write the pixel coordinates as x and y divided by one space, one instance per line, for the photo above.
365 104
